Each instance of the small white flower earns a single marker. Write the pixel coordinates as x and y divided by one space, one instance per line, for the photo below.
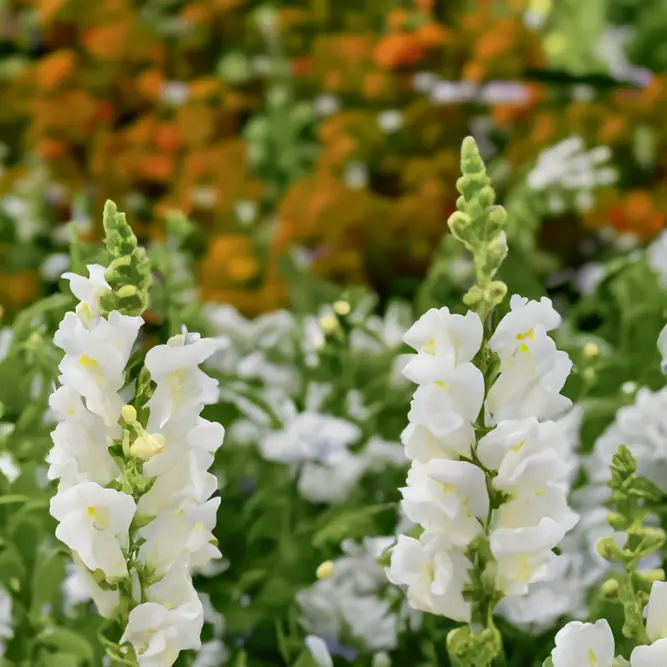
310 436
390 121
94 522
95 360
185 529
88 291
524 555
421 445
530 383
521 452
52 268
8 467
654 655
181 384
656 254
584 644
442 338
318 649
656 612
356 176
447 404
175 93
662 346
424 82
6 620
434 574
521 324
330 480
326 105
159 634
448 496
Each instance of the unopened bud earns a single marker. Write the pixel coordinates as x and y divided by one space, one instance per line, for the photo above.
146 446
652 539
591 350
617 521
325 570
486 196
495 292
129 414
473 296
497 218
459 223
342 308
329 323
609 550
381 659
610 588
126 291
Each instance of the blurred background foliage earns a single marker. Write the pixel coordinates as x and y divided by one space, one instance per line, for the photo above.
317 135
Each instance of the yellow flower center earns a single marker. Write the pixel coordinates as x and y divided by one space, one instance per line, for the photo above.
429 348
99 517
592 658
89 363
518 447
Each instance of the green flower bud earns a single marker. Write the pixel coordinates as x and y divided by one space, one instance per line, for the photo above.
618 521
610 551
129 273
610 588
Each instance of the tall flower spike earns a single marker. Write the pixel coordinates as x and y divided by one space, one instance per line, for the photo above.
135 497
129 274
480 226
486 484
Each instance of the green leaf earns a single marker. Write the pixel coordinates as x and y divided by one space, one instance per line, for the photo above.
306 660
355 523
67 641
60 660
13 499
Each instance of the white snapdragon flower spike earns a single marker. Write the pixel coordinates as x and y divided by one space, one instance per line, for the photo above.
163 461
95 522
584 645
531 468
434 574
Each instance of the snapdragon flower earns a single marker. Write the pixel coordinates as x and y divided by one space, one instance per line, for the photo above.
488 484
593 644
135 499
